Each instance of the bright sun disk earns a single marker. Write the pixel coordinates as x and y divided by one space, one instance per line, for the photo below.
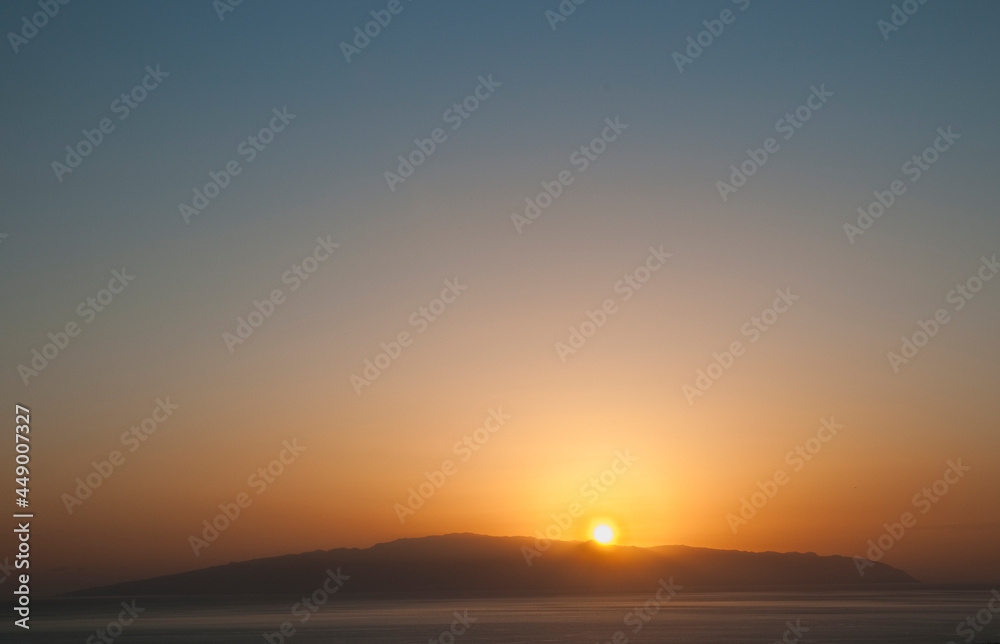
603 534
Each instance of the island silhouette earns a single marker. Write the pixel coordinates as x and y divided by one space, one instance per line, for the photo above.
472 563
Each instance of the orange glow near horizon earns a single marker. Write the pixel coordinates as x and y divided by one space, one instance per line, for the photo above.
609 432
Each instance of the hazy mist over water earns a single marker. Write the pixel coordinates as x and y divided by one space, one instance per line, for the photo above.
916 617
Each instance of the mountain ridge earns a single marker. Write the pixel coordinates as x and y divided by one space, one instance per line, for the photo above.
472 563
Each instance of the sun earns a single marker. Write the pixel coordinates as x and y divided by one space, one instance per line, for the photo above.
604 534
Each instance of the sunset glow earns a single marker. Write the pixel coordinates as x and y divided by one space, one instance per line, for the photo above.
575 278
603 534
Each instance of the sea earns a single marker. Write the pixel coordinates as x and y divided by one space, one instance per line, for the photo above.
911 616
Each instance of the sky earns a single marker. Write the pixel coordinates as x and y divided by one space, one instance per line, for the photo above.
326 253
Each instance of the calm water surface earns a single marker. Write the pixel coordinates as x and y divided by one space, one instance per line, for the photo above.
830 616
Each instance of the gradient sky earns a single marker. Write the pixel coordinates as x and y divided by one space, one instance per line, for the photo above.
495 346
